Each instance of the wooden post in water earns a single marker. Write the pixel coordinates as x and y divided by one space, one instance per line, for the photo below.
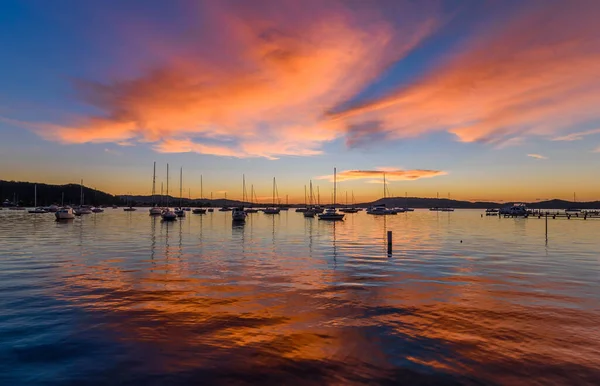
389 242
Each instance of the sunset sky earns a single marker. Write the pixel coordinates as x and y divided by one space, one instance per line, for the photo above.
482 100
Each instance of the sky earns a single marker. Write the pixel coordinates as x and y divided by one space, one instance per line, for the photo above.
473 100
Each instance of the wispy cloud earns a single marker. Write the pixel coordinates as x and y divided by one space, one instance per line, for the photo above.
376 175
537 156
510 81
576 136
112 151
260 89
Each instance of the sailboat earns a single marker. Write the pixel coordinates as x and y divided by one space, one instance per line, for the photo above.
331 213
180 212
37 209
129 207
381 209
301 210
272 209
200 210
168 214
225 208
251 209
155 210
310 210
349 209
82 209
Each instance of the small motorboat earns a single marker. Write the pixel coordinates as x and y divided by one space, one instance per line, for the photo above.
187 209
199 211
238 215
301 210
97 210
115 207
64 213
129 209
180 212
52 208
251 210
380 210
210 210
225 209
331 214
271 210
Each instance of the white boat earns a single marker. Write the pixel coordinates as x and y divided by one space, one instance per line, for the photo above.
65 213
168 214
515 210
155 210
130 209
180 212
37 209
380 210
238 214
331 213
272 209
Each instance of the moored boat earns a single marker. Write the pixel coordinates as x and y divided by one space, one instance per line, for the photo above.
64 213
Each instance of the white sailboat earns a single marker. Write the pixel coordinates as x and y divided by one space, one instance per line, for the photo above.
331 213
381 209
180 212
82 208
310 210
168 214
272 209
200 210
36 208
155 210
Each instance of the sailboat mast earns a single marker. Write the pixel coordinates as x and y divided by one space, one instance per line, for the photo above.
180 186
311 194
273 191
383 185
318 196
35 195
154 185
81 193
161 194
167 185
304 195
334 185
243 188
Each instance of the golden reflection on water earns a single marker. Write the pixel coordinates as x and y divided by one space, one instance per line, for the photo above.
460 299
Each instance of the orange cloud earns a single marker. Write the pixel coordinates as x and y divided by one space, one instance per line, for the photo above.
538 74
262 91
391 174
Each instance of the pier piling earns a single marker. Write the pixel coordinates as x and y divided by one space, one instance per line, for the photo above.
389 242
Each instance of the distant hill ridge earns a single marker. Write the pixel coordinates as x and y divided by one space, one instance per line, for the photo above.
50 194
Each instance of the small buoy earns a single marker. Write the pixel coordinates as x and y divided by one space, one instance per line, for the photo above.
461 241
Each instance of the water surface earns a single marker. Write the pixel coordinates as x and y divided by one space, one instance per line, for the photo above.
122 298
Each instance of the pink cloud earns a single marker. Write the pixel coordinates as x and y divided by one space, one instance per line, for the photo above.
254 78
391 174
537 75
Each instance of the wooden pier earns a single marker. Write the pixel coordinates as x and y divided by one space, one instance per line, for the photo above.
583 215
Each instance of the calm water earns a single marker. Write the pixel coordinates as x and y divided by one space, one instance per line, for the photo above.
121 298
